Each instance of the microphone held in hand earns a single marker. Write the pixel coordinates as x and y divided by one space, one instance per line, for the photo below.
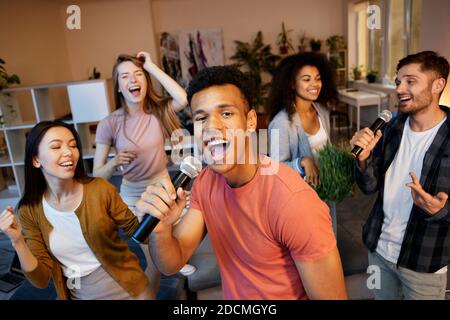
190 167
383 118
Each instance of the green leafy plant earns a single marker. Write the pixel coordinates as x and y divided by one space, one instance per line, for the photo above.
337 60
5 81
357 72
336 43
371 76
256 58
303 40
315 44
336 174
284 42
5 78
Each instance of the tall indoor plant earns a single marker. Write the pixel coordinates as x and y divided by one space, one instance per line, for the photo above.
255 59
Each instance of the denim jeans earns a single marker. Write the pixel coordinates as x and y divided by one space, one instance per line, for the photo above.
401 283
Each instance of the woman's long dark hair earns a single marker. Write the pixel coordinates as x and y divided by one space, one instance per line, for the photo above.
282 91
35 183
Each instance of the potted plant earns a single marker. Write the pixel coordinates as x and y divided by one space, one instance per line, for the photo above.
336 43
357 72
337 61
371 76
336 174
284 42
256 58
315 44
95 74
303 40
6 101
5 79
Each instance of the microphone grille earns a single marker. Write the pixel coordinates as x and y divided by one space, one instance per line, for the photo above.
386 115
191 166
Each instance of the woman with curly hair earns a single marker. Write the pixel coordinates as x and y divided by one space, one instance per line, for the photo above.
302 88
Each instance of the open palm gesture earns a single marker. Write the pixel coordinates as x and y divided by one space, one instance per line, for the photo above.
427 202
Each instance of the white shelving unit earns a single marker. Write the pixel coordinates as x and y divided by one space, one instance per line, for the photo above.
81 104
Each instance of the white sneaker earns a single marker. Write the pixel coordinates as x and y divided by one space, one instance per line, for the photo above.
187 270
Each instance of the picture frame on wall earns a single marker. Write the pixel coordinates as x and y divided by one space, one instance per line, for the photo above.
187 52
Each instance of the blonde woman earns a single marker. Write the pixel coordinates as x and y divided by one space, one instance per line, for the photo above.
137 130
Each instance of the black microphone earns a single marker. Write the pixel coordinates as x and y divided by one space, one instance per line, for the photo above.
190 167
383 118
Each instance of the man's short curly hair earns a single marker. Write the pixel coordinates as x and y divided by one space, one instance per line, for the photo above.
221 75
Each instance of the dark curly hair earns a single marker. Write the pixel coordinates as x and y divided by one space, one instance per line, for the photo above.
282 90
221 75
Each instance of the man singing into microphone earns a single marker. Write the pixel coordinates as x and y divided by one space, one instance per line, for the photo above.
271 233
407 232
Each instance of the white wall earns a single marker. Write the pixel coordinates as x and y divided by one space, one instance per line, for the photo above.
241 19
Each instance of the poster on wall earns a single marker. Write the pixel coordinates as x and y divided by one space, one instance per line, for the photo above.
200 49
170 54
187 52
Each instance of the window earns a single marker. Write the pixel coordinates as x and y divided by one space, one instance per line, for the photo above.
398 34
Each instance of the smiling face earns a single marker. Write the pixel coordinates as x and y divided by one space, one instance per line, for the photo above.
414 88
58 154
308 83
221 119
132 83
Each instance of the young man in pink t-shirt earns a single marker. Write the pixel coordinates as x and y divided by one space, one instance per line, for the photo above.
271 233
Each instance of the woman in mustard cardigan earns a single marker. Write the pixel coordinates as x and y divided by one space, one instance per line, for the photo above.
70 223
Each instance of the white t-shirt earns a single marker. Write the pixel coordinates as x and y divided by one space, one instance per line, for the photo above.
317 141
397 198
67 243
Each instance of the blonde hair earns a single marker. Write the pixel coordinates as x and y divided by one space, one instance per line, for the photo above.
154 103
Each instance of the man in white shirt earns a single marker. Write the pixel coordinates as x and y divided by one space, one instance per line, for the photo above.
407 232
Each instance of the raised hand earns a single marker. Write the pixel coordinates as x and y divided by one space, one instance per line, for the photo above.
10 225
148 60
430 204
